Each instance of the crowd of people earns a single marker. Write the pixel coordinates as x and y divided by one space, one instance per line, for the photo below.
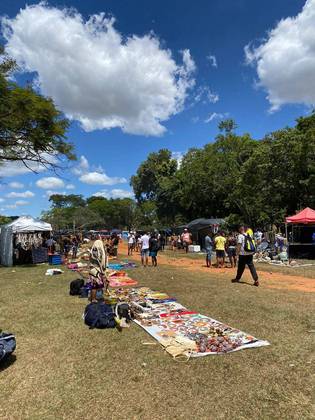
148 244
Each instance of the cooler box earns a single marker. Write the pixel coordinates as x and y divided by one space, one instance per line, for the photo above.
55 259
194 248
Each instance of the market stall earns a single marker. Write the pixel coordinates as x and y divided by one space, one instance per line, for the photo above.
21 241
300 231
201 227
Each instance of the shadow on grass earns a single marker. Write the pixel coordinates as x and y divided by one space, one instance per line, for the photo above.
7 362
244 282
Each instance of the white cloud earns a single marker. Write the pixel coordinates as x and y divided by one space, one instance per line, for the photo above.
213 60
82 166
2 200
25 194
100 178
205 95
21 203
104 79
115 193
70 187
50 182
16 185
8 169
216 115
285 61
17 204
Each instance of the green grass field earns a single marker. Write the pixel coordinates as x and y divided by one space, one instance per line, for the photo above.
63 370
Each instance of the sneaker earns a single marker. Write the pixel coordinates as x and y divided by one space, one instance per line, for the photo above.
235 281
256 283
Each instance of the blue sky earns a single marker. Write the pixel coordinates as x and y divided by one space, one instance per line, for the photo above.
218 28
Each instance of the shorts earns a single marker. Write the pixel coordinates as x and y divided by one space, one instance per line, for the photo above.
231 251
220 253
209 252
153 253
145 252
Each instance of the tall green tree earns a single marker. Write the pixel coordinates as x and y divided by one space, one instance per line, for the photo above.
32 129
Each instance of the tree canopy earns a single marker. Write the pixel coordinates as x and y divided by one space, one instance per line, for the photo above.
236 177
32 129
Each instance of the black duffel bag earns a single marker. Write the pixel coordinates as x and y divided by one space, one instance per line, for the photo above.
99 315
75 287
7 345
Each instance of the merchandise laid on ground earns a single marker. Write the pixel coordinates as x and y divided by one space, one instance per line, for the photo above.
180 331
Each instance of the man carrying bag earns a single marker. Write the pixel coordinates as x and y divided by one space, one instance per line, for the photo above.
245 250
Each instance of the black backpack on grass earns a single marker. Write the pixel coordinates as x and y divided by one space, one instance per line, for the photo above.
75 287
7 345
99 315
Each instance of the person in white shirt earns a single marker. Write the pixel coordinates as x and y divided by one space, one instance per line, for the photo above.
145 249
244 257
131 243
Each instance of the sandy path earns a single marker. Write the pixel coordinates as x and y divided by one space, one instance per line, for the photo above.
270 280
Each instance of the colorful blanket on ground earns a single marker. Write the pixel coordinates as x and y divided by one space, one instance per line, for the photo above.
121 265
183 332
120 281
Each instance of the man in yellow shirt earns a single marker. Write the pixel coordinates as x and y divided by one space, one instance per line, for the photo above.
219 242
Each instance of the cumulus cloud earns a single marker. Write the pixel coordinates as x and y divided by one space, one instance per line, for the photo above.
25 194
100 178
94 175
216 116
104 79
17 204
81 167
50 182
115 193
285 61
16 185
213 60
70 187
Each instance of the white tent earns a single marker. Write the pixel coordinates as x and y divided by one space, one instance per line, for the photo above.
23 224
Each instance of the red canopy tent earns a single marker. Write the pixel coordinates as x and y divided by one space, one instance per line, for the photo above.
303 217
302 230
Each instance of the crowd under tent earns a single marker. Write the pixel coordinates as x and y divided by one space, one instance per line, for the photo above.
21 241
199 228
300 231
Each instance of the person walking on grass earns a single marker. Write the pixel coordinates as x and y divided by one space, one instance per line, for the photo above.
245 251
186 239
208 248
219 242
131 243
145 249
154 248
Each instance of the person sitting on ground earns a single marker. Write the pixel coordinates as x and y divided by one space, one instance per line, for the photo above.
245 256
231 249
186 239
208 248
219 242
145 249
154 248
